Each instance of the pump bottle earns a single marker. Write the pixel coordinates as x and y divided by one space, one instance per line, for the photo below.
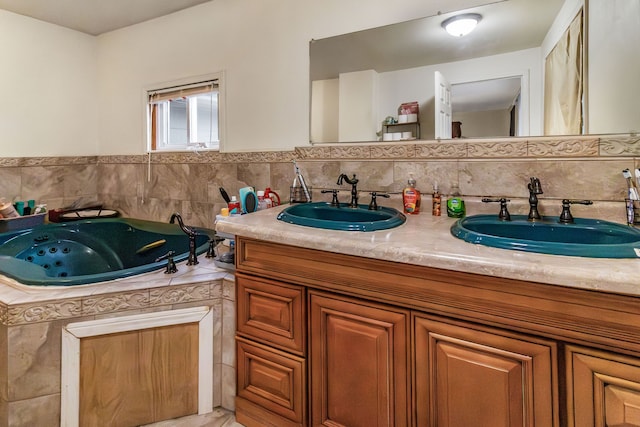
411 197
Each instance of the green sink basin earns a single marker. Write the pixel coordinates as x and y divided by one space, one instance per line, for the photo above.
585 237
323 215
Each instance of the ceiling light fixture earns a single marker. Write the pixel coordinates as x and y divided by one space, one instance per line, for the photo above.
461 25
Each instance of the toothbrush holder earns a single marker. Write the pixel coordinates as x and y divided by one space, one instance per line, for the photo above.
296 195
633 211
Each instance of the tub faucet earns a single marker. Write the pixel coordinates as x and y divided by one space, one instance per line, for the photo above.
171 265
193 259
534 189
354 188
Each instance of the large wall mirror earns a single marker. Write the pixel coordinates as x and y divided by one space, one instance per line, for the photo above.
496 75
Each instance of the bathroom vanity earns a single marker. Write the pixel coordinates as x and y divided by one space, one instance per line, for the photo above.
411 326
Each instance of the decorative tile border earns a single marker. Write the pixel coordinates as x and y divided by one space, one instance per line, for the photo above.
46 311
442 150
47 161
588 146
563 148
497 149
115 302
620 146
404 151
179 294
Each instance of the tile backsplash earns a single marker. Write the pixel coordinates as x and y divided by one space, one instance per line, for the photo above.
568 167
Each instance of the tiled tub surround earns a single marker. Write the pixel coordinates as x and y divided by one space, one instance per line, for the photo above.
32 320
574 167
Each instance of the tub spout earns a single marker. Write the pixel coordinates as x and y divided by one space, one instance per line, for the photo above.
191 233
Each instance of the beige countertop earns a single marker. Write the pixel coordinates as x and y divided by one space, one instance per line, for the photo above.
426 240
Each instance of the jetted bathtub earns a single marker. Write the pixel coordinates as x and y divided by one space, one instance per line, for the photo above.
89 251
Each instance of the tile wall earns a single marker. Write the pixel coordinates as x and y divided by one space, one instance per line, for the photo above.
153 188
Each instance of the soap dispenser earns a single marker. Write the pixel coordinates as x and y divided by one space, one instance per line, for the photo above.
455 204
411 197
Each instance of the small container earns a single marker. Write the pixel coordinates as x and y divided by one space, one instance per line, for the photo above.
275 198
263 202
39 209
7 210
19 205
297 195
455 204
436 200
234 206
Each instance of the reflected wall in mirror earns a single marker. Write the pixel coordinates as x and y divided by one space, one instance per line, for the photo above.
360 79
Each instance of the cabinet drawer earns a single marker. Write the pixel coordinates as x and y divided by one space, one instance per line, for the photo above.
271 312
272 380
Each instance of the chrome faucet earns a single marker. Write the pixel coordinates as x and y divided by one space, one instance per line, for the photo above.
354 188
193 259
534 189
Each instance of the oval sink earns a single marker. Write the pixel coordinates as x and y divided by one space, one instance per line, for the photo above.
323 215
585 237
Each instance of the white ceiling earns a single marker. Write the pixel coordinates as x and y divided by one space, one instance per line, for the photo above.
506 26
96 16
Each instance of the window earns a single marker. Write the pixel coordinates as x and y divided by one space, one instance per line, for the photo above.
183 117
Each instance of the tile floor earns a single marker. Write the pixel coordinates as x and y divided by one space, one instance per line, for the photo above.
218 418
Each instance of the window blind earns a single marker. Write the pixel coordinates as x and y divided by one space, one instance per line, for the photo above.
176 92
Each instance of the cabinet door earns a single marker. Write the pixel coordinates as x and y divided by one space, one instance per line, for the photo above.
603 389
474 376
358 361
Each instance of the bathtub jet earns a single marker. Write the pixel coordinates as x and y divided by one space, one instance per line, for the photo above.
89 251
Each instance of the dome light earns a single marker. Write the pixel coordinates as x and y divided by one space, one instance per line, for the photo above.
461 25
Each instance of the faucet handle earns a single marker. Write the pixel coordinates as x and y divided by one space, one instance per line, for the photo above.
373 205
504 212
334 200
534 185
565 216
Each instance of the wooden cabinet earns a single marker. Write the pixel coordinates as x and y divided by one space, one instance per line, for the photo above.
358 354
328 339
272 313
271 345
466 375
603 389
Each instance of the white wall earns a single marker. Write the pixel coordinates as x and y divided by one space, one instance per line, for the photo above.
488 123
261 45
357 105
47 85
613 38
324 110
417 84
